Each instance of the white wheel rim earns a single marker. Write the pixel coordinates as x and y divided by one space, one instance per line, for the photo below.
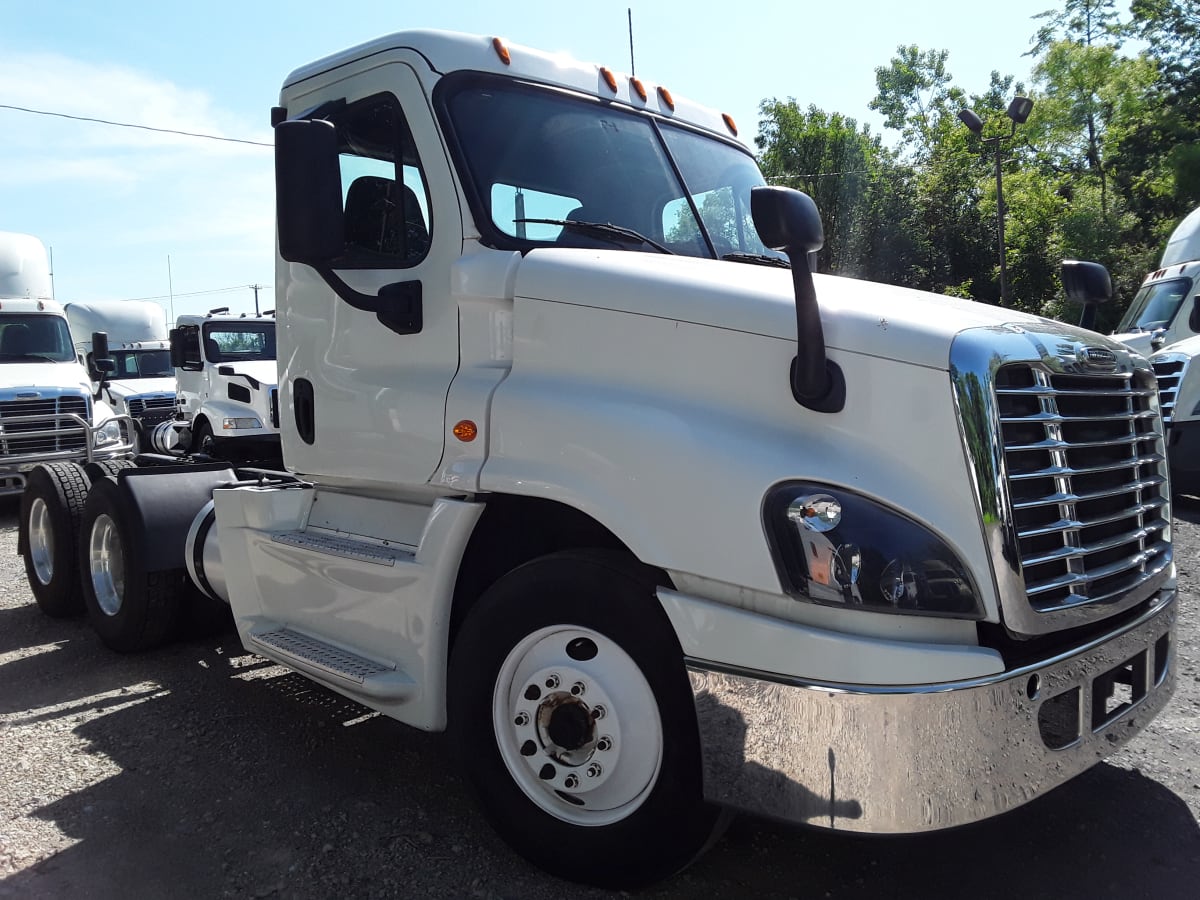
41 540
577 686
106 561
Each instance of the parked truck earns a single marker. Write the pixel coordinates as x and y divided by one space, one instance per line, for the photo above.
227 386
141 383
657 528
47 411
1161 323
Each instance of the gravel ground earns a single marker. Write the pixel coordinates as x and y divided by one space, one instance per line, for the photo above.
203 771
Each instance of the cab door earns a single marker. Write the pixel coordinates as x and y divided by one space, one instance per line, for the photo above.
369 341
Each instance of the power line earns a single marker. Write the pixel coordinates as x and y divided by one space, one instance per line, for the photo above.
224 290
58 115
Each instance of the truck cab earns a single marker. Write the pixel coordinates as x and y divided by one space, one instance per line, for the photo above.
226 383
1163 323
47 411
585 467
141 384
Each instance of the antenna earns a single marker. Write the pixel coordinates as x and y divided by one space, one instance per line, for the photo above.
632 70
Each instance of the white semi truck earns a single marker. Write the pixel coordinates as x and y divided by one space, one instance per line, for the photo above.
227 385
140 383
655 527
1163 322
47 411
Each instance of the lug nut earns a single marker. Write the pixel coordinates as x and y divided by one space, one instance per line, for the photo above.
578 688
521 719
594 770
571 781
605 743
599 712
552 682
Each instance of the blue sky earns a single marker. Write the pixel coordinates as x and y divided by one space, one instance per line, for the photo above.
114 203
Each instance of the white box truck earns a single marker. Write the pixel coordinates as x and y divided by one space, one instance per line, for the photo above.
656 527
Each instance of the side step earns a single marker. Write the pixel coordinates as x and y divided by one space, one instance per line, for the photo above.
345 547
307 653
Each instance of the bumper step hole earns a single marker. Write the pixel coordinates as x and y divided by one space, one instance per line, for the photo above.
1162 653
1058 720
1117 690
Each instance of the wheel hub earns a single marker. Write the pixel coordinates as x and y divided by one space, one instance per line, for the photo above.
559 726
41 540
106 563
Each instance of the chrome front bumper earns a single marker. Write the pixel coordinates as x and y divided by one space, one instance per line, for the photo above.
924 757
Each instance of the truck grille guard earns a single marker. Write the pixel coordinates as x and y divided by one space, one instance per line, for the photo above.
1065 442
49 428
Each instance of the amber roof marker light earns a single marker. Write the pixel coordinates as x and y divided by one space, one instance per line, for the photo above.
609 78
729 123
501 51
638 87
666 97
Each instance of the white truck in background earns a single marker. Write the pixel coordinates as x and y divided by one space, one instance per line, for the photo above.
47 411
654 527
1163 323
141 383
227 386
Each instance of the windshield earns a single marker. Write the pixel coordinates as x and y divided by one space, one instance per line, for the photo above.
232 342
534 154
1155 305
35 338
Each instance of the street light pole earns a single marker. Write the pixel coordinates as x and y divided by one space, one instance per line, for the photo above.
1018 111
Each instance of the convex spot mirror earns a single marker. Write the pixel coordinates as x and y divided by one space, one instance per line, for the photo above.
1088 284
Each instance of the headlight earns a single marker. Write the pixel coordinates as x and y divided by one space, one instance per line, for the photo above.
108 433
837 548
234 424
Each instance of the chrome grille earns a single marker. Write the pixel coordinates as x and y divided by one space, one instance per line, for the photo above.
152 410
40 426
1169 371
1083 464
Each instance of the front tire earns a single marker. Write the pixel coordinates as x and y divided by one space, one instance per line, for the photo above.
571 712
51 506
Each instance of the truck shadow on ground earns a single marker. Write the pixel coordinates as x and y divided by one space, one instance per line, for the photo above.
236 778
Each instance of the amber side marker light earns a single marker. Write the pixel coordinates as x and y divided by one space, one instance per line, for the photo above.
466 431
666 97
609 78
729 123
639 87
501 51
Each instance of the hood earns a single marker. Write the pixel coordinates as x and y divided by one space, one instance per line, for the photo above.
31 376
1138 341
263 371
856 316
137 387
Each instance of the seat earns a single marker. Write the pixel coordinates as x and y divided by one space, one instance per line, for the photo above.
374 221
17 340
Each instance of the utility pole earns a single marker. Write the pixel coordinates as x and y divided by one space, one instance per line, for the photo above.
255 288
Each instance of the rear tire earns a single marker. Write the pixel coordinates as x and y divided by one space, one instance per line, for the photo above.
130 608
571 712
49 535
100 468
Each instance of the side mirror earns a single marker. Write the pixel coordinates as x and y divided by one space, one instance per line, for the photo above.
100 345
308 192
787 220
1194 315
1088 284
105 366
176 337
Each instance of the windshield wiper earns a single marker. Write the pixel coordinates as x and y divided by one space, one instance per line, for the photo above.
618 233
758 259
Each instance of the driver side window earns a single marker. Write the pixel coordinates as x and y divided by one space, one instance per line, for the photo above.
386 203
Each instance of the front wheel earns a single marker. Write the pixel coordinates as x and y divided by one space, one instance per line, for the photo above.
571 712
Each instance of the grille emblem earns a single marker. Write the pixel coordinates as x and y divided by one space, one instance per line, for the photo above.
1098 358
